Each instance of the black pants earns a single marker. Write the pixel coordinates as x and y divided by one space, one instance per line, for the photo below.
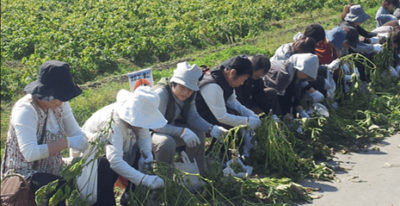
268 101
105 184
38 180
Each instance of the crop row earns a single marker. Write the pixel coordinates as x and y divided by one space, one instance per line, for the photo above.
92 35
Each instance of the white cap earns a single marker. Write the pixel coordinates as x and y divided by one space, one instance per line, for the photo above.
140 108
307 63
187 75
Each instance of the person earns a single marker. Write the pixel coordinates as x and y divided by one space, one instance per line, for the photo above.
353 16
385 12
129 141
287 77
301 45
217 94
42 125
185 126
252 94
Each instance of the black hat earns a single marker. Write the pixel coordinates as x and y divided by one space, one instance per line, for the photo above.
54 80
351 36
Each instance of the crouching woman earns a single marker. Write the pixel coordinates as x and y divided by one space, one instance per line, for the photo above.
185 126
42 125
130 118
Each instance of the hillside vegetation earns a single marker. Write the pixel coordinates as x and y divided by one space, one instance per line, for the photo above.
92 36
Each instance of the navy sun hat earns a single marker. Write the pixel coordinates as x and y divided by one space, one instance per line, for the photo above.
336 36
356 14
54 81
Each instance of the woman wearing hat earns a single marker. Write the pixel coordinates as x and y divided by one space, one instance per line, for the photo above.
354 15
42 125
132 115
185 126
287 77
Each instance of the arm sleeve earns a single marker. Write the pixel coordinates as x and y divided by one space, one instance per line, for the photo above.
114 154
233 103
70 124
213 96
364 48
196 121
365 33
25 120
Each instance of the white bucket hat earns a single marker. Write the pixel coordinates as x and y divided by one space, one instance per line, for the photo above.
187 75
307 63
140 108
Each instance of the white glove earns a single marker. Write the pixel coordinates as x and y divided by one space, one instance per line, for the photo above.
247 143
374 40
152 181
304 114
254 122
393 72
317 96
190 138
217 131
377 48
398 68
78 142
334 65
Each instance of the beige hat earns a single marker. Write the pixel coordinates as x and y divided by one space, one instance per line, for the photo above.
187 75
307 63
140 108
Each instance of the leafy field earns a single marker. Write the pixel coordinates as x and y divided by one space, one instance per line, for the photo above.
100 38
93 36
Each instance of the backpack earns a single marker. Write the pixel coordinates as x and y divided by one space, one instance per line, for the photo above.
16 191
279 76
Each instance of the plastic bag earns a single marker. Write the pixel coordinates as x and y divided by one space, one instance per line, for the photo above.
241 169
190 167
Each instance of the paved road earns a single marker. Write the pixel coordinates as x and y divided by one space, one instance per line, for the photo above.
371 178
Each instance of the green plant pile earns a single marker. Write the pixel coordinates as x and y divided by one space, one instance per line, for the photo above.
92 36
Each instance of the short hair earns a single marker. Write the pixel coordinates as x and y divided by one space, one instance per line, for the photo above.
259 62
241 64
303 45
316 32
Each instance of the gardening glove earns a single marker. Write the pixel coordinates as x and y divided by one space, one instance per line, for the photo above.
317 96
398 69
374 40
152 181
254 122
377 48
217 131
78 142
190 138
393 72
334 65
247 143
275 118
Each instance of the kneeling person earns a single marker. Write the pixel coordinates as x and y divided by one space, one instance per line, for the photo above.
185 126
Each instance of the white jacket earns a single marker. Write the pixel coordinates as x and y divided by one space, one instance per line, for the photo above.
121 140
